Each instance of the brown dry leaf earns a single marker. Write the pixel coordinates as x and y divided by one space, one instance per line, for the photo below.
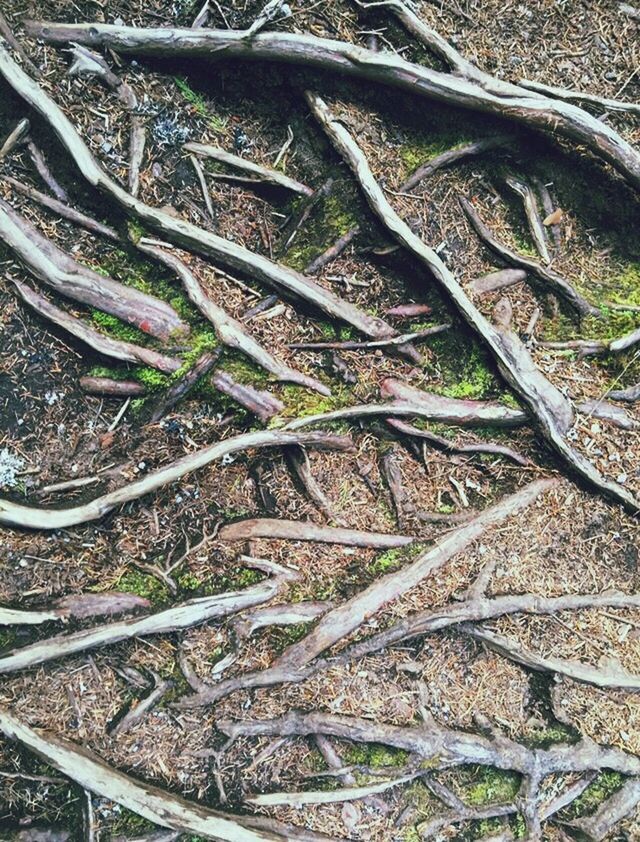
553 218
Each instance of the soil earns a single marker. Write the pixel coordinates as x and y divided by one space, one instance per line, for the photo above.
570 541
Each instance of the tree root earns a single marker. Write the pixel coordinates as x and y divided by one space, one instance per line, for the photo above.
178 390
475 90
73 280
75 606
185 615
536 228
598 826
551 281
293 664
15 514
114 348
230 331
259 402
630 395
497 280
149 801
298 530
350 345
580 98
178 230
298 462
112 388
15 136
260 174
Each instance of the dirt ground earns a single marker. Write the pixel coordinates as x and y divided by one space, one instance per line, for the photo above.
569 541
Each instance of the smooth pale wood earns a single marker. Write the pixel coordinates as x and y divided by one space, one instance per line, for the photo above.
265 175
296 530
16 514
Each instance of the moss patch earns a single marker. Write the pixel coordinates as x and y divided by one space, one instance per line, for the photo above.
144 585
374 755
602 788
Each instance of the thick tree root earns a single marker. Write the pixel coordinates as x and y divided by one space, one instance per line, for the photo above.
483 93
29 517
179 231
149 801
75 606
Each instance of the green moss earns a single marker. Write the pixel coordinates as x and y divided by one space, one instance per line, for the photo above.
602 788
244 370
116 328
7 639
152 379
487 785
303 402
546 737
423 149
374 755
144 585
130 824
475 381
334 217
395 558
111 373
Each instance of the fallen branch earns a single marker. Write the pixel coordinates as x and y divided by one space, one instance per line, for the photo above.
350 345
259 402
262 175
587 347
530 203
152 803
497 280
178 230
112 388
15 136
552 282
75 606
230 331
15 514
452 447
491 95
612 676
178 390
299 530
115 348
346 618
579 97
62 209
185 615
73 280
298 462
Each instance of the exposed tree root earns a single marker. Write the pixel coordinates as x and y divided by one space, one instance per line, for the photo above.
137 712
297 799
260 174
40 163
597 826
287 614
259 402
48 263
185 615
15 136
15 514
112 388
115 348
62 209
497 280
298 530
349 616
75 606
630 395
612 676
178 390
178 230
536 228
230 331
483 93
580 98
152 803
298 463
587 347
350 345
550 280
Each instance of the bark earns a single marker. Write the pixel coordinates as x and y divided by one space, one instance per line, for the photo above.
534 220
409 311
294 530
258 402
75 606
610 413
497 280
505 101
580 98
551 281
230 331
48 263
598 826
260 174
15 136
112 388
630 395
612 676
178 390
15 514
452 447
147 800
114 348
62 209
177 230
185 615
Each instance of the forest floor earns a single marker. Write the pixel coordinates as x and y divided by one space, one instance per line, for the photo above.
569 541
